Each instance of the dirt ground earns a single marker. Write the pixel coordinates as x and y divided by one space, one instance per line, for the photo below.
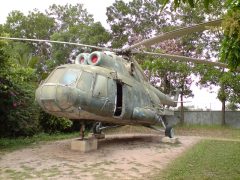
129 156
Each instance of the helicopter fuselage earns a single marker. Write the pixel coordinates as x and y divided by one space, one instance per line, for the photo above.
105 88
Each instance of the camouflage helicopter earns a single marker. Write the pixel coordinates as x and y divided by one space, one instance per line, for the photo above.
109 86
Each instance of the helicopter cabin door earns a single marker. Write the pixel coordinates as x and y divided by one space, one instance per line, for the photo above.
104 96
123 100
118 99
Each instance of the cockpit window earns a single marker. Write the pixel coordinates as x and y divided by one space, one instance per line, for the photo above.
69 77
54 77
85 81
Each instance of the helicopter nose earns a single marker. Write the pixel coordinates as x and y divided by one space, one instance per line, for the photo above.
55 97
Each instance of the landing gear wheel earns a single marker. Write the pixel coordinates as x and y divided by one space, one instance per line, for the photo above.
169 132
97 128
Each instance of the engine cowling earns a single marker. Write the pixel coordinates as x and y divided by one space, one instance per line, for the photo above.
82 58
95 58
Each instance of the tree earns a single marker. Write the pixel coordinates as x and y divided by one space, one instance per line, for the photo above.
21 63
136 20
69 15
70 23
74 24
141 19
191 3
36 25
18 112
15 23
173 76
230 46
228 83
231 106
231 81
21 54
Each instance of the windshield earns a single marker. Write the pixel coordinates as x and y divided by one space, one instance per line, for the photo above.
54 77
69 77
64 76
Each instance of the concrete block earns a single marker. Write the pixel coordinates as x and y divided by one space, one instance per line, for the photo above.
170 140
84 145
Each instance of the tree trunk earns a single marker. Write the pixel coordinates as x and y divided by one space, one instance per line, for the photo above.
223 113
223 100
181 111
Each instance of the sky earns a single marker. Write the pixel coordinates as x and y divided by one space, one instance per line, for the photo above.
202 99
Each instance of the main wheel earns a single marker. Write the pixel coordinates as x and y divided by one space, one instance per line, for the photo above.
169 132
96 128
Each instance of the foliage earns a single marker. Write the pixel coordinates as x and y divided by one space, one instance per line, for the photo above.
141 19
230 45
232 106
191 3
173 75
227 80
36 25
70 23
74 24
133 21
19 113
21 54
52 124
69 15
204 44
232 87
23 64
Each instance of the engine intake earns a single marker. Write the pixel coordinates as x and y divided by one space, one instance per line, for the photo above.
82 58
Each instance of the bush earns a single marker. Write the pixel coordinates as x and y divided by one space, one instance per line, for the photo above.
53 124
19 113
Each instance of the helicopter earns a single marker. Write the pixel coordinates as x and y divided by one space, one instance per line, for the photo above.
109 86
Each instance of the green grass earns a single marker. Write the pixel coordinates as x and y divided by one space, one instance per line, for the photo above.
215 131
10 144
209 159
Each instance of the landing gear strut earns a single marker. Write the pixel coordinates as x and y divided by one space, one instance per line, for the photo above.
82 130
168 130
98 127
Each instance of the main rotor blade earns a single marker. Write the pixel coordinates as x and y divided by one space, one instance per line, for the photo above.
176 33
186 59
58 42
